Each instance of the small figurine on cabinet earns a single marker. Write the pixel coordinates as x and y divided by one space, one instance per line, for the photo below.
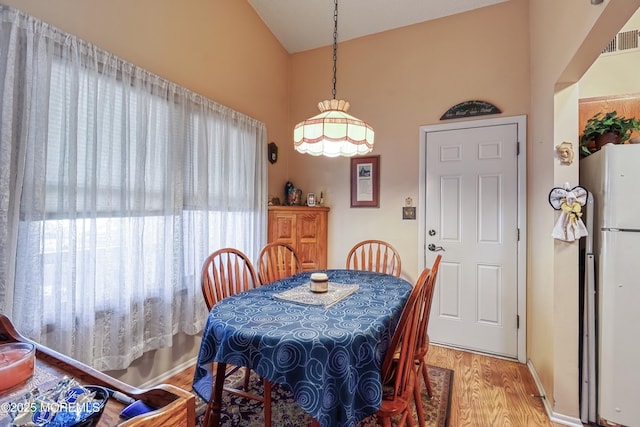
288 192
293 195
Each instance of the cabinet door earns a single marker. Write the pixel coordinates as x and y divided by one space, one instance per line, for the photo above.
308 244
312 240
282 228
305 229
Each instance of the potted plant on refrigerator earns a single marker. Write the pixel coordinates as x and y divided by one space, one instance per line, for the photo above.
607 128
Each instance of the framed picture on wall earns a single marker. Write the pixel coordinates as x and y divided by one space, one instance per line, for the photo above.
365 181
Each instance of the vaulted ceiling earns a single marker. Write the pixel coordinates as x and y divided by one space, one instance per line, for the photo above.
301 25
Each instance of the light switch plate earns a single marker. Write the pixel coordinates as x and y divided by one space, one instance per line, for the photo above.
409 212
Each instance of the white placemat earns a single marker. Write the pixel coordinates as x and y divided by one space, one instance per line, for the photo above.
303 295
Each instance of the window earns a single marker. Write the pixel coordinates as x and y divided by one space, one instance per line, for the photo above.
126 182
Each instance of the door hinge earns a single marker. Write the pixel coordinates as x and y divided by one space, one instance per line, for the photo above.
518 148
517 321
518 235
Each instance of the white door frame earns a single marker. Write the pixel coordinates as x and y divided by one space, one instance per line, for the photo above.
521 122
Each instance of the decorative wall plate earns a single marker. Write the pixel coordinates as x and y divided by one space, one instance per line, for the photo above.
469 109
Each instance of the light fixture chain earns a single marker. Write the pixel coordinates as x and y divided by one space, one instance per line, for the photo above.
335 45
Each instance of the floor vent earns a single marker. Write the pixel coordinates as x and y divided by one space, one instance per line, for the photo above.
624 41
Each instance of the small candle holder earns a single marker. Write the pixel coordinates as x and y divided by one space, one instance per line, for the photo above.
17 363
319 282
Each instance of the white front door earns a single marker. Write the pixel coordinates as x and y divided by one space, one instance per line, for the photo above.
471 216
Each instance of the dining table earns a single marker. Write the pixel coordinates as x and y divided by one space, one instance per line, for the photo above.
327 348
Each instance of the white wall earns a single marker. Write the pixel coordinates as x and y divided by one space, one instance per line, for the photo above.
614 73
566 38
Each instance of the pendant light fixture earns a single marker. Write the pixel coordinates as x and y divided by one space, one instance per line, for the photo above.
333 132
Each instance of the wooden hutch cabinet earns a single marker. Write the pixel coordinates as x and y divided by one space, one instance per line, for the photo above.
305 229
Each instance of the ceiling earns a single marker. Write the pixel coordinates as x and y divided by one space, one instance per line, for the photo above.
301 25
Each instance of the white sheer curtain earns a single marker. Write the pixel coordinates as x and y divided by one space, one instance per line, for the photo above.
115 185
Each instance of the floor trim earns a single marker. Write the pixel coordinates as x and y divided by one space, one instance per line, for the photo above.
553 416
165 375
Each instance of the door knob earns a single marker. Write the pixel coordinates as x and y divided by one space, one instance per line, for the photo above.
434 248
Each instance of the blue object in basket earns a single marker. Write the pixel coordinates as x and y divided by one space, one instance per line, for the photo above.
136 408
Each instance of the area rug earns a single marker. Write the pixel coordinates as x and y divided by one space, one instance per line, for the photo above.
237 411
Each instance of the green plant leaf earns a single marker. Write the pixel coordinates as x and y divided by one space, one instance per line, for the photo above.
602 123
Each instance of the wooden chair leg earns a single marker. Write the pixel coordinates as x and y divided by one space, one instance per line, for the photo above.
425 375
417 391
267 403
212 413
409 419
247 375
419 407
207 416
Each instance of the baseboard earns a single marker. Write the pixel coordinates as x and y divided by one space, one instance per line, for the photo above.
553 416
161 378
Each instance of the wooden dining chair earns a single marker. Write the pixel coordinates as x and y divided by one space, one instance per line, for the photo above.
374 255
277 261
227 272
423 338
398 367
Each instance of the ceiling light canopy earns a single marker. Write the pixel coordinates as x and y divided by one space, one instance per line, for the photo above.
333 132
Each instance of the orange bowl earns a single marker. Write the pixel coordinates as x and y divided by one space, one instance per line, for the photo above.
17 363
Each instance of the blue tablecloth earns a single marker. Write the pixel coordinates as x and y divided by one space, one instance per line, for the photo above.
329 357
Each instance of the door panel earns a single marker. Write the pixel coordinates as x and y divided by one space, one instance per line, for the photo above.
489 304
450 214
472 210
448 306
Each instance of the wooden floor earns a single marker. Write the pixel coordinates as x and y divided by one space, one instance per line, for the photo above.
486 391
490 392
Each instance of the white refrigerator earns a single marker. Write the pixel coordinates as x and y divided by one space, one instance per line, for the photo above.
612 176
